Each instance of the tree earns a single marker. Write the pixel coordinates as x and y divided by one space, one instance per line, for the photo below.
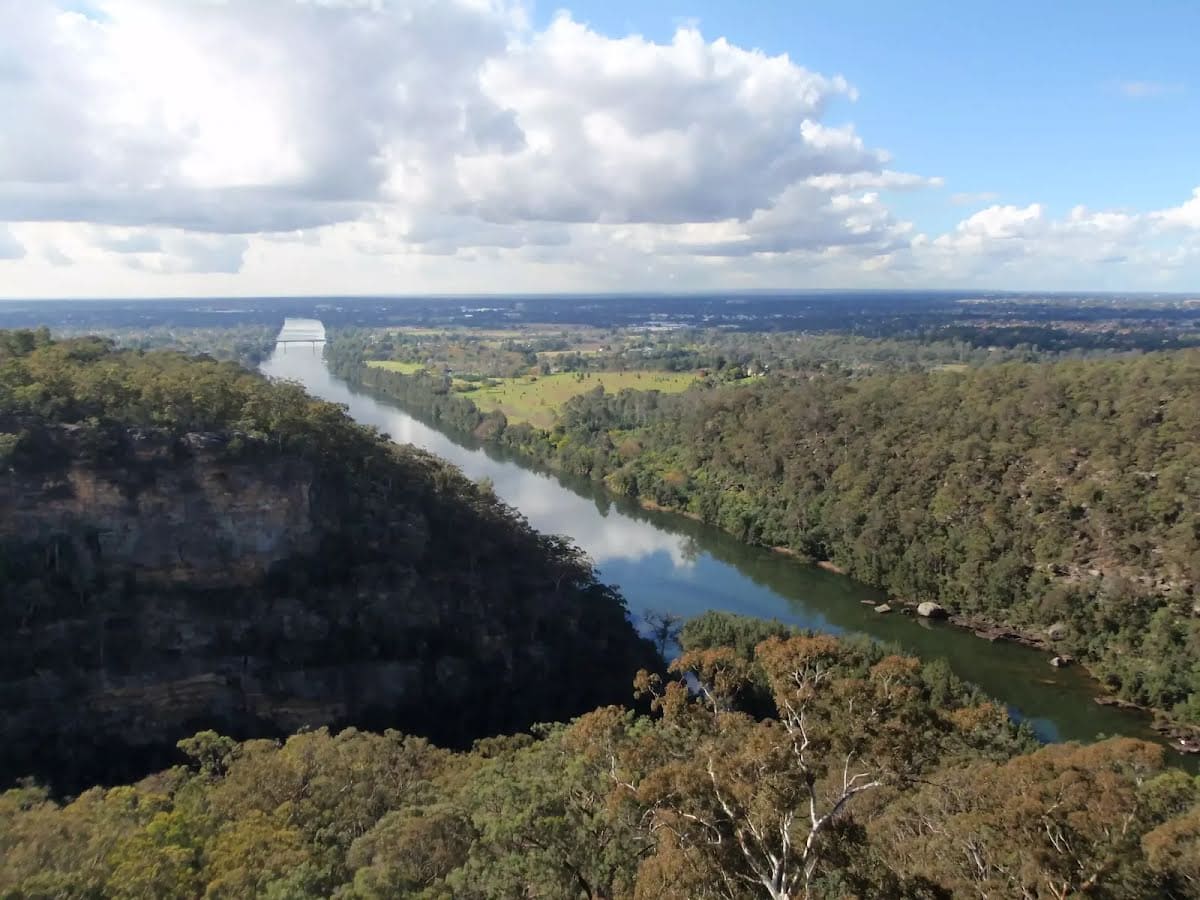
545 818
664 629
1061 822
762 803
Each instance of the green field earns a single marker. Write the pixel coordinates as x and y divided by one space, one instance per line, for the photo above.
404 368
580 350
537 399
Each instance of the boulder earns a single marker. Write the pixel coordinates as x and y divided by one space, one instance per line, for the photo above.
203 440
1060 662
1057 631
931 610
883 608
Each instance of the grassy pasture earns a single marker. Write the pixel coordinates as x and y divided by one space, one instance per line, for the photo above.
404 368
531 330
951 367
581 350
537 399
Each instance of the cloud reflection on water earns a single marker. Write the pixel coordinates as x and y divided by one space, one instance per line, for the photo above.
605 535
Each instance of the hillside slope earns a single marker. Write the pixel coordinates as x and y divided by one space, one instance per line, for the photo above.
1055 498
184 544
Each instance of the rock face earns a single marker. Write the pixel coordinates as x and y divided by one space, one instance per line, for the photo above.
207 581
169 513
931 610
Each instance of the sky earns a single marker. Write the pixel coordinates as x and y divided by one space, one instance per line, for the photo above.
279 147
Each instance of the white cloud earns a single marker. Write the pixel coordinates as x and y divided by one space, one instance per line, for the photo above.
1184 217
204 253
621 131
10 247
281 146
417 127
1028 244
885 180
56 257
244 118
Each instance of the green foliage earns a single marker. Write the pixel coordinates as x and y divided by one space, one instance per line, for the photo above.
210 751
860 781
246 344
716 628
1025 494
1064 821
405 565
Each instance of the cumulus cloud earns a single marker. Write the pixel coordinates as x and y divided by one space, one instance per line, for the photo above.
622 131
343 144
197 253
452 122
1185 217
56 257
125 240
1029 241
238 118
803 218
10 247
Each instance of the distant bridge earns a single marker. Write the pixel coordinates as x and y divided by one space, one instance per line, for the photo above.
301 331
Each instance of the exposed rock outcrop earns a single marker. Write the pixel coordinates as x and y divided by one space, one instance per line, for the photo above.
210 580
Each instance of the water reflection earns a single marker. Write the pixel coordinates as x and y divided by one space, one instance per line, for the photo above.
301 331
606 538
666 562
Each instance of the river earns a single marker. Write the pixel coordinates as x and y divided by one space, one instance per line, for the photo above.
666 562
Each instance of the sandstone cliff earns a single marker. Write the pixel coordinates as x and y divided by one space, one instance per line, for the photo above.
156 582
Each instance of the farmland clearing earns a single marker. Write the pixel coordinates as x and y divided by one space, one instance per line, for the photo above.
537 399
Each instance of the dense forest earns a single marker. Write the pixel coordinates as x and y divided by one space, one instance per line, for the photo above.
1059 495
183 541
764 762
797 765
245 344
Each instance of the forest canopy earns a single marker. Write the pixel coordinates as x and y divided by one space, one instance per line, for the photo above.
184 541
1034 495
801 766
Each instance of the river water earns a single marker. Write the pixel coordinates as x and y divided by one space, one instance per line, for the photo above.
666 562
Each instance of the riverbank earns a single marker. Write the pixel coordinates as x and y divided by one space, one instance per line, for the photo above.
647 503
660 572
1181 737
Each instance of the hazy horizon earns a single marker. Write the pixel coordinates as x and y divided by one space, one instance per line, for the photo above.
782 293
